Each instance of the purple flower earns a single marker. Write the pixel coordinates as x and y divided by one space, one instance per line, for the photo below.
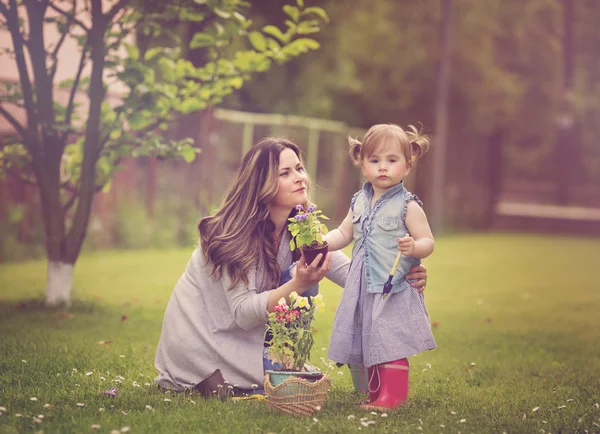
112 392
299 217
312 208
299 208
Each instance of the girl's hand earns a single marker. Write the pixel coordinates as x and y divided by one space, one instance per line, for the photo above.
418 272
406 245
308 275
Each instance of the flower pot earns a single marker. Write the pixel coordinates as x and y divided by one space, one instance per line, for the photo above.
311 251
278 377
295 395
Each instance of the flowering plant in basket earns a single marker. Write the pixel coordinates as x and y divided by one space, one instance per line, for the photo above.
291 328
307 232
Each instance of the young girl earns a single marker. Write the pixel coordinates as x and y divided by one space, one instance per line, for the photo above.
372 328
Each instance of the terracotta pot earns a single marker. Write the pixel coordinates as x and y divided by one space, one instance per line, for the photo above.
311 252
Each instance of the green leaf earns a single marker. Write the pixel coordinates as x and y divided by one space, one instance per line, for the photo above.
300 3
324 228
273 44
65 84
202 40
186 14
292 12
106 188
167 69
140 119
132 51
258 41
317 11
301 45
152 53
275 32
308 27
192 105
222 14
188 153
292 245
236 82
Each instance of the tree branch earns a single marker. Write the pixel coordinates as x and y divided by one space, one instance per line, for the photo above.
15 124
71 103
69 203
13 26
53 55
115 10
69 16
4 11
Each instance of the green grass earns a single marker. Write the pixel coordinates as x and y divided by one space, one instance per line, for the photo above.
524 309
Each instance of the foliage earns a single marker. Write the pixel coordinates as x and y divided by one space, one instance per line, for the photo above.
306 227
121 97
159 83
291 329
507 72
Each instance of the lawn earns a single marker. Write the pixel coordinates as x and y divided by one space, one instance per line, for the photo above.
516 319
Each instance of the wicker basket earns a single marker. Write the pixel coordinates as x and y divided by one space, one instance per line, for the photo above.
297 396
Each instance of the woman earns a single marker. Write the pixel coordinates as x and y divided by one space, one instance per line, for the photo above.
214 324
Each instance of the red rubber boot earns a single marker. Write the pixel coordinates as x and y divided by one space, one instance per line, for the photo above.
374 384
394 386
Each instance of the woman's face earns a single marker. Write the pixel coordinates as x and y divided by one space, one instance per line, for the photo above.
293 181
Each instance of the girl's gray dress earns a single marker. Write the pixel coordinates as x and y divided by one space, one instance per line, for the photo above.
370 330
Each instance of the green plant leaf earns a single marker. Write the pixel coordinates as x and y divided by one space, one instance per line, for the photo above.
292 11
202 40
316 11
275 32
258 41
132 51
189 154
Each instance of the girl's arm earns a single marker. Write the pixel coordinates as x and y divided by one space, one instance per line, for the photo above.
342 236
419 243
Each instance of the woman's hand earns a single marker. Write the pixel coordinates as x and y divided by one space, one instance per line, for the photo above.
418 272
308 275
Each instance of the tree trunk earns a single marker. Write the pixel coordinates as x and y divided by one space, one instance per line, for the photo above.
441 117
564 156
63 247
59 283
494 176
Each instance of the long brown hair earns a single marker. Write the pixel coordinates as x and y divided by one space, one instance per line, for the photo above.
240 233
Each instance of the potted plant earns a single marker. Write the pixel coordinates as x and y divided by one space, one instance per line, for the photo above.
307 232
294 388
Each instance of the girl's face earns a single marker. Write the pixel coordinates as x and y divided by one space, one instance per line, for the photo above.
293 181
385 167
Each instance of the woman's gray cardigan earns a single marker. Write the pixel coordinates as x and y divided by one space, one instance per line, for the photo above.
207 327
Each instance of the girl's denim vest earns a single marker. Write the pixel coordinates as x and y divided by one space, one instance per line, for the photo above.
378 229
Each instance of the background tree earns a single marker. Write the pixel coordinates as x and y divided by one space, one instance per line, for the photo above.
378 63
71 150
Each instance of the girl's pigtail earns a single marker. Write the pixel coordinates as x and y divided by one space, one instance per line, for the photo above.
419 142
354 149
